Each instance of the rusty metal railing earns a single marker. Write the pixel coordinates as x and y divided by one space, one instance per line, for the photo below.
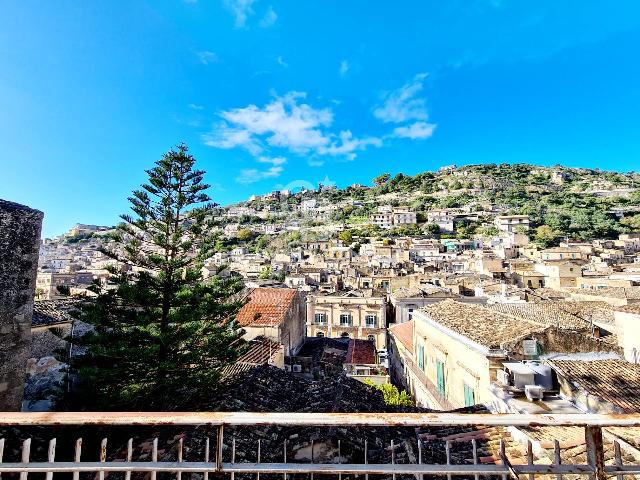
214 460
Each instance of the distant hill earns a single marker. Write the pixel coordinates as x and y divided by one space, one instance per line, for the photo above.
576 202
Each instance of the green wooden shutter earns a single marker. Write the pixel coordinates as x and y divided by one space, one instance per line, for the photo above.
469 399
440 371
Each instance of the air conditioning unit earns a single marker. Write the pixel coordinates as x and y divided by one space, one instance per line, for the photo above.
297 368
534 392
503 378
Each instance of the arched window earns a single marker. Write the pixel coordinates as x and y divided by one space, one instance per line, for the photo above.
320 335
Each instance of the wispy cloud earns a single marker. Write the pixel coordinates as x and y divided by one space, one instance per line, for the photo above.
269 19
417 130
281 61
348 145
253 175
286 122
195 106
403 104
344 68
206 57
275 161
240 9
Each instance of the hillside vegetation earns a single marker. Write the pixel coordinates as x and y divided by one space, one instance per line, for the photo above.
578 203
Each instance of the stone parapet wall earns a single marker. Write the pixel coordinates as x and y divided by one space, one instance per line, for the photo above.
20 228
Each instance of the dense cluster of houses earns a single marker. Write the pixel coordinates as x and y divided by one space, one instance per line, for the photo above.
495 319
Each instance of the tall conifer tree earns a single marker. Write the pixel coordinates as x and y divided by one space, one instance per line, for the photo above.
161 333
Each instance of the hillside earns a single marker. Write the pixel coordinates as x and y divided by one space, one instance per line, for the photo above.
578 203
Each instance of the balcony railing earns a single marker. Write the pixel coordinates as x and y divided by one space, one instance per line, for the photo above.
442 400
220 456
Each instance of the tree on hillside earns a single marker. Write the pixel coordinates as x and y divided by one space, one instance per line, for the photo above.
632 222
346 237
160 334
546 236
382 179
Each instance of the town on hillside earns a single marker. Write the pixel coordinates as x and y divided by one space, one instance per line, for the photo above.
456 290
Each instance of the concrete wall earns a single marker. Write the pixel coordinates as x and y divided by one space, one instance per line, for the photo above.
19 244
628 326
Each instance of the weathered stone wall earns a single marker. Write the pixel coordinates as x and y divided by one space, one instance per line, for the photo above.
19 243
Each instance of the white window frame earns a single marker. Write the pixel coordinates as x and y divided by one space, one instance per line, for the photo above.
349 321
320 318
375 320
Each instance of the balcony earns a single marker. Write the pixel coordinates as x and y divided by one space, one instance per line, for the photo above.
444 402
228 451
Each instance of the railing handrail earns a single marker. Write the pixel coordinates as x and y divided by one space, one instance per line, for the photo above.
316 419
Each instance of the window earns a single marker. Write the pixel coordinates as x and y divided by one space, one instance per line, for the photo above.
345 319
440 374
321 318
421 357
370 321
469 397
320 335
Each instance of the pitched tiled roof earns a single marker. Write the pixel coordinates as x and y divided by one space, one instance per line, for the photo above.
266 307
631 293
482 325
546 313
361 352
52 312
261 351
615 381
631 308
403 332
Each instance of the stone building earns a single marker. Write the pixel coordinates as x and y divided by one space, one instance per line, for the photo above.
357 314
277 314
20 228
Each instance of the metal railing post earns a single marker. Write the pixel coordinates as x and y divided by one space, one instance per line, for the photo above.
595 452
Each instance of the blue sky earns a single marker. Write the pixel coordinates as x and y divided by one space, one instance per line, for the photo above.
271 94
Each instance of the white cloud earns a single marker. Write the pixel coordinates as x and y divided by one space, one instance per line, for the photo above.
403 104
281 62
269 18
206 57
240 9
195 106
417 130
344 68
348 145
226 138
253 175
286 122
275 161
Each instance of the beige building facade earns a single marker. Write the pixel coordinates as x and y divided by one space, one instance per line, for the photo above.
348 315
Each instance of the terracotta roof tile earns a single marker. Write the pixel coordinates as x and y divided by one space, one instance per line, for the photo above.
266 307
482 325
361 352
615 381
403 332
